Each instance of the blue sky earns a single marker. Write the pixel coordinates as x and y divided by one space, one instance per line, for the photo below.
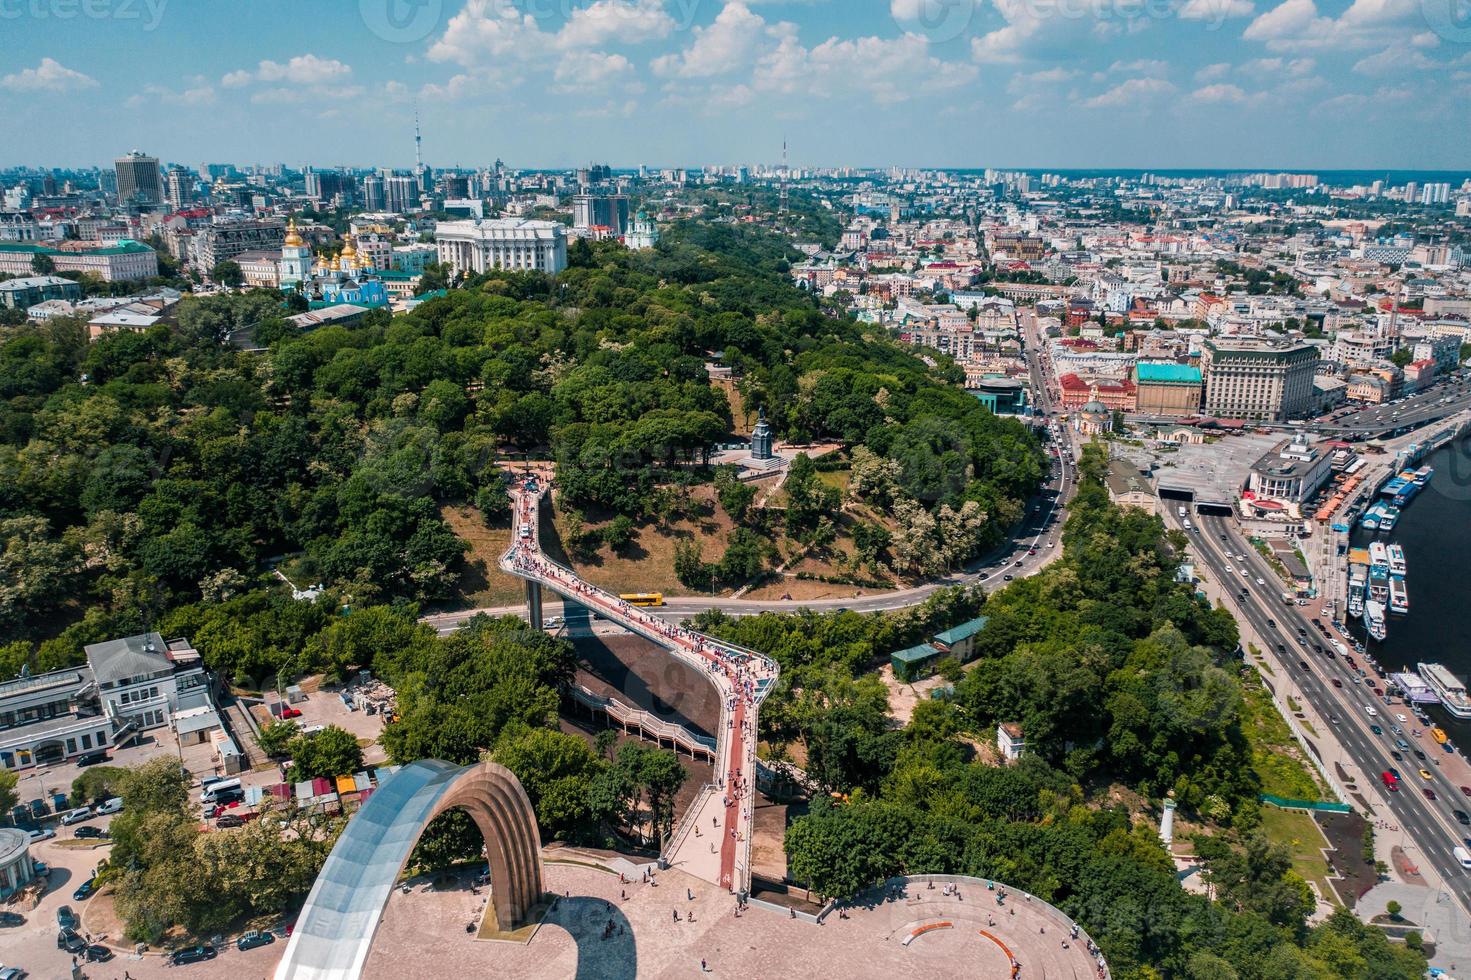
1065 83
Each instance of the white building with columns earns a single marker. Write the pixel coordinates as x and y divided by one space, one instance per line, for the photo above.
503 243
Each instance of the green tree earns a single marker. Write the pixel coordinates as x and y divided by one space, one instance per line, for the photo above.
227 273
331 752
42 264
276 738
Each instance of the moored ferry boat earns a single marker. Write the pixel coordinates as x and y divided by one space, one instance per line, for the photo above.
1374 619
1358 580
1399 596
1448 687
1422 475
1396 560
1389 519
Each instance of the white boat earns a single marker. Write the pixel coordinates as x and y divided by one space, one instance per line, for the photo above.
1396 561
1389 518
1448 687
1399 597
1374 619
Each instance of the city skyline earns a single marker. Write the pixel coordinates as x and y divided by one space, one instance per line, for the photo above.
1233 84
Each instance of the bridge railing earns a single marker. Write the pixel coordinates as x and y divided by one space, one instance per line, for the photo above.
628 715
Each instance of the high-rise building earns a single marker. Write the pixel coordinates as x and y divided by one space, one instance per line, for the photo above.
373 199
601 211
139 179
400 194
1250 378
507 243
180 187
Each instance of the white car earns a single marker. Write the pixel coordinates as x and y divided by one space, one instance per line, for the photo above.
42 833
1401 719
113 805
1370 709
1229 568
1261 581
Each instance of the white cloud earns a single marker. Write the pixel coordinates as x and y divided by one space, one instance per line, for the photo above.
732 41
1216 11
888 70
1298 24
1023 21
1048 76
488 29
580 70
1396 59
1132 92
1211 73
1143 66
1219 93
200 94
49 76
623 21
304 69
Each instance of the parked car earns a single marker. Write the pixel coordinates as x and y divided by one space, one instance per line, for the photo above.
66 918
84 890
191 954
12 973
78 815
228 820
114 805
91 833
91 758
68 940
254 938
39 834
12 919
98 954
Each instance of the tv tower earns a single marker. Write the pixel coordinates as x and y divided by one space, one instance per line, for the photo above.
421 173
782 209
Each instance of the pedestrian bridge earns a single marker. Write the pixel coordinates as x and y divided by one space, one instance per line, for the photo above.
713 840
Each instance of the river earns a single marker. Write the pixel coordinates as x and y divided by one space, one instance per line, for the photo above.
1435 531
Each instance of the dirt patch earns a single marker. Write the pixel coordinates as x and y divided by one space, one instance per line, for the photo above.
768 843
1345 833
482 583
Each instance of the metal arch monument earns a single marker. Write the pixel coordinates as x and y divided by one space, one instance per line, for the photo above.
335 930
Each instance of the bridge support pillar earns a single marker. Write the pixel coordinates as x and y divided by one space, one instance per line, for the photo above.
533 603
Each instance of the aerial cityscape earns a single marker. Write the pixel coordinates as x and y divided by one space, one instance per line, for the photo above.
657 488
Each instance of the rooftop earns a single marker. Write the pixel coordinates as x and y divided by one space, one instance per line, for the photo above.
133 656
1168 373
964 631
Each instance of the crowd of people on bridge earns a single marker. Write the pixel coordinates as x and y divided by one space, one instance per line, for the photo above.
740 675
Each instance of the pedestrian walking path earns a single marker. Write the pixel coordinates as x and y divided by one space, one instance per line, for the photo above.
713 841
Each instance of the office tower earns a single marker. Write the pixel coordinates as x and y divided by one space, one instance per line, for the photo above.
139 179
400 194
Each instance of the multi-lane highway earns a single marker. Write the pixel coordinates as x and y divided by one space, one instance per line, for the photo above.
1408 413
1288 637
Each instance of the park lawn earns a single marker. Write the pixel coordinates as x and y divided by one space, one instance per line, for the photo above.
1300 833
1275 754
482 584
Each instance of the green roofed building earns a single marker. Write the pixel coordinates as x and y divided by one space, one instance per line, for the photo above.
1167 389
956 643
121 261
915 662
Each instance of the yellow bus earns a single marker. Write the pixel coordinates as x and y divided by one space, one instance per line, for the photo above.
643 598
